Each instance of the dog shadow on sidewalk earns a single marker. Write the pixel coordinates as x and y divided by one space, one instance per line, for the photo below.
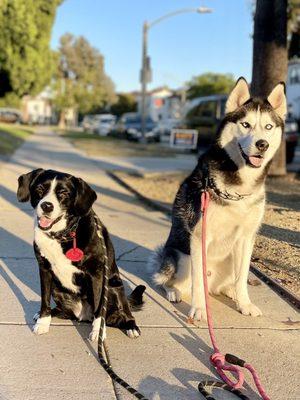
20 272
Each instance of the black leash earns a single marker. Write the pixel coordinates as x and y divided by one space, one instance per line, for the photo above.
101 340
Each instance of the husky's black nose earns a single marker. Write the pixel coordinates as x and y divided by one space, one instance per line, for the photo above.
262 145
47 207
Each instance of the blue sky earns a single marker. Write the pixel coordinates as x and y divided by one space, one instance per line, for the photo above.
180 47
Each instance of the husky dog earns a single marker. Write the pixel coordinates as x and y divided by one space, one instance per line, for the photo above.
234 171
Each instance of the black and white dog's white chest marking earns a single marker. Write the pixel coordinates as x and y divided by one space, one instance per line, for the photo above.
61 266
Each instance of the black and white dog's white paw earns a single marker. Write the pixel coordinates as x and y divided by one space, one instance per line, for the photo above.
133 333
132 330
94 335
42 325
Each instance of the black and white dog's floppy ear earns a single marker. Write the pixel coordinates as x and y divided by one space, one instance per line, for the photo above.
24 182
85 197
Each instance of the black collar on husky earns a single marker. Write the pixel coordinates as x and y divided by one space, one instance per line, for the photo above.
64 235
209 183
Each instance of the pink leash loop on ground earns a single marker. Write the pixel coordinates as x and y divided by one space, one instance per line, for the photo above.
217 358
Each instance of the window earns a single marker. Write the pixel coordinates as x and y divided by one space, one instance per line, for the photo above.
294 74
207 109
222 108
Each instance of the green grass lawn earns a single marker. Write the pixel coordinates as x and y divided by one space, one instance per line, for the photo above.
109 146
11 137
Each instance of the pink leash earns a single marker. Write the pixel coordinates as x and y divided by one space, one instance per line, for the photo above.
217 358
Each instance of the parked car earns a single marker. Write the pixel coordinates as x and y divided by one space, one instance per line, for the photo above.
291 137
205 114
130 125
165 127
106 123
10 115
90 123
87 123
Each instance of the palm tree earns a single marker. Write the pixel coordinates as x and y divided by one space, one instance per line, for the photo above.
270 57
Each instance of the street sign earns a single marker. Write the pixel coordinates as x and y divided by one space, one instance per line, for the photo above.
184 138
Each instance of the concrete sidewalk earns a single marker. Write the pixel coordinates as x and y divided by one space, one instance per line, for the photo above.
170 358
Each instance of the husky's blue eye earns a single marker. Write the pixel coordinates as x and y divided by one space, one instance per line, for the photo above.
269 126
245 125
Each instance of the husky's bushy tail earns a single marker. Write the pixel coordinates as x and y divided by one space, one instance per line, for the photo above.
162 264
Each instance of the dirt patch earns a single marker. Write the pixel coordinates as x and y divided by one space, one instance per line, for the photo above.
277 247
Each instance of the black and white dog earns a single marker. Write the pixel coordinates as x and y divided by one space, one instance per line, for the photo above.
234 171
63 209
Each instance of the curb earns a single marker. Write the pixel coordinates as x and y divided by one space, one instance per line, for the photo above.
286 294
156 205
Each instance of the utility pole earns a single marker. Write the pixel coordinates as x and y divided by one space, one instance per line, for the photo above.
146 74
145 78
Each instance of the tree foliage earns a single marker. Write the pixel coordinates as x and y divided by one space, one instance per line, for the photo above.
80 80
26 60
210 83
126 103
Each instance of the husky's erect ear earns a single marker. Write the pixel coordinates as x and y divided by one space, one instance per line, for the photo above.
85 197
239 95
277 99
24 182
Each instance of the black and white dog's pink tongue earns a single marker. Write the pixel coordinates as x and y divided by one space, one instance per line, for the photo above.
45 222
256 161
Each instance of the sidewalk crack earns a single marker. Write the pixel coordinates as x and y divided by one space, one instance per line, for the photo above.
119 258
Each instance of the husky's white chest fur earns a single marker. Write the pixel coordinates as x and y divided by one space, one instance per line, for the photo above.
61 266
225 225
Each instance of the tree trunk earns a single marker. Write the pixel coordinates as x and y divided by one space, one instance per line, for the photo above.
270 58
62 120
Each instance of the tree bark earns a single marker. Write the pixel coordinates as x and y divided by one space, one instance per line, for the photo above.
270 58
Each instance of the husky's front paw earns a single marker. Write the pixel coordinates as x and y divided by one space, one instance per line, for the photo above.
173 294
197 314
249 309
229 291
42 325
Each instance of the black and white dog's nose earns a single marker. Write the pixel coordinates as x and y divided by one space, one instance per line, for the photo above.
47 207
262 145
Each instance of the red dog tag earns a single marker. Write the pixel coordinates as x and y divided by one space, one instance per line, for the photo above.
74 254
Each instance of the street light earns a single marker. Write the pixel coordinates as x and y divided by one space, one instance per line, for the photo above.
146 69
